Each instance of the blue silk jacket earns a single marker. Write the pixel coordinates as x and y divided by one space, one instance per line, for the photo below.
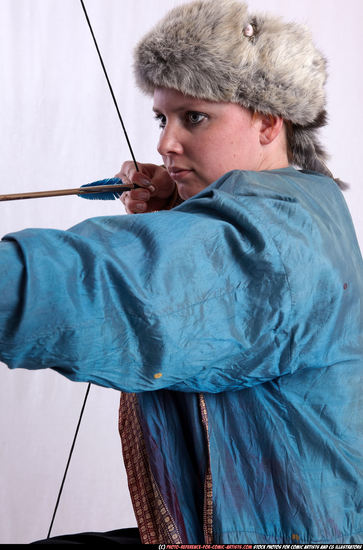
232 325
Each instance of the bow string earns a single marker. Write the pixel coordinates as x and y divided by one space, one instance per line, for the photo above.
83 191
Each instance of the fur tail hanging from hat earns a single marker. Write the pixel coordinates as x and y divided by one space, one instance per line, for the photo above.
217 50
305 150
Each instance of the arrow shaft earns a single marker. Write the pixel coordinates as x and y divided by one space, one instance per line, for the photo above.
61 192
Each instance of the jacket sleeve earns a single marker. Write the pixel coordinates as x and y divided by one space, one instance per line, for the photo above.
193 299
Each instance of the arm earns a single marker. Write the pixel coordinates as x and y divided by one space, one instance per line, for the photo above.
176 300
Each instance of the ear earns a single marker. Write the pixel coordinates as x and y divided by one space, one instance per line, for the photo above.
270 127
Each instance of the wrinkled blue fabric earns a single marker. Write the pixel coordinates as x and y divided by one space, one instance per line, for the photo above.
249 292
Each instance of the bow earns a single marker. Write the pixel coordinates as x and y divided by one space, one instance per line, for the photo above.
86 191
92 188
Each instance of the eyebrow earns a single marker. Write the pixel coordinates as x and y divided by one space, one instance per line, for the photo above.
186 107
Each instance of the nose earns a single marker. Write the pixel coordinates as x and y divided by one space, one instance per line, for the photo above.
170 141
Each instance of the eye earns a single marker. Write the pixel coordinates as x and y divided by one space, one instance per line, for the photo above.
161 119
194 117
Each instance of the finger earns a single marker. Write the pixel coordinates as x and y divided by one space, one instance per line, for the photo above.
143 181
163 183
135 178
142 177
135 207
135 195
126 202
123 197
135 201
138 207
127 169
124 174
123 178
139 194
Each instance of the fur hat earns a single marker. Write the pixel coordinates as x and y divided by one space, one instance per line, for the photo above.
217 50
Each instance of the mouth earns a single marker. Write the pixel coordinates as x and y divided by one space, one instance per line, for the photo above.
177 173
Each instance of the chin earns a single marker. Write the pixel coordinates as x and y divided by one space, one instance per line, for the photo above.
182 192
187 191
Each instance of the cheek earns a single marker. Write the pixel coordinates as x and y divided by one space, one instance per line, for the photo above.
213 154
228 147
211 165
241 151
222 155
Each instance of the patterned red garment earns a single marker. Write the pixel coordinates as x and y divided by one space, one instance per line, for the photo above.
156 524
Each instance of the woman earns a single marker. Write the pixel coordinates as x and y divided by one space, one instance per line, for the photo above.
232 320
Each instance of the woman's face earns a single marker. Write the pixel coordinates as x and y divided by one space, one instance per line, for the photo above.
201 140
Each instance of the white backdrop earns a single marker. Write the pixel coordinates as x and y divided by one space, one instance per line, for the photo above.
59 129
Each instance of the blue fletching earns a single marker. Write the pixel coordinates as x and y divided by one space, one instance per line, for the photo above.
112 195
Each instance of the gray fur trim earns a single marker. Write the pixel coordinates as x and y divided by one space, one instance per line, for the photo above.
200 49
